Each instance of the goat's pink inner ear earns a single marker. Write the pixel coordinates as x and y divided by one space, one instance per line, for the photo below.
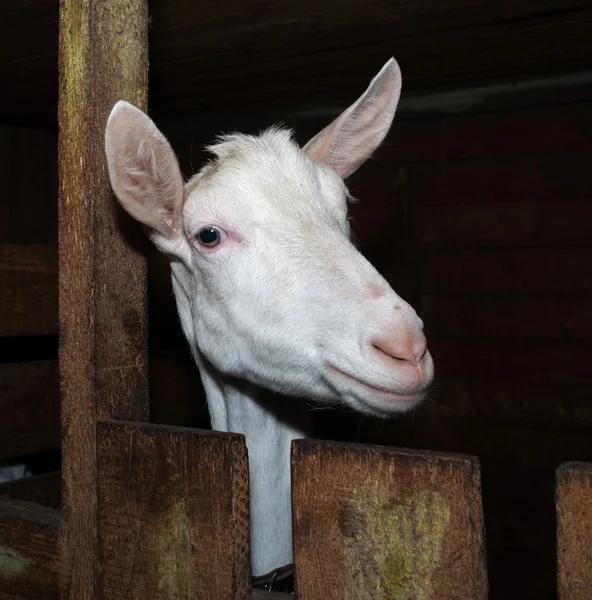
350 140
143 169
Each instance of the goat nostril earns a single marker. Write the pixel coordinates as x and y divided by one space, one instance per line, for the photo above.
388 354
406 350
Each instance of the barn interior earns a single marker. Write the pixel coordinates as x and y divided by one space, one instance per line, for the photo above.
476 209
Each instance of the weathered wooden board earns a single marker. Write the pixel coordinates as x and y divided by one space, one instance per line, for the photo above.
574 531
43 489
173 513
30 408
378 522
28 551
28 290
103 57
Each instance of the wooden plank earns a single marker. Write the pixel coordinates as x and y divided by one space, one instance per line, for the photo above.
28 290
504 224
43 489
574 531
103 57
503 270
28 551
173 513
541 316
30 408
377 522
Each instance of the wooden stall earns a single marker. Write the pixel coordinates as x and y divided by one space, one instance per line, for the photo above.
476 209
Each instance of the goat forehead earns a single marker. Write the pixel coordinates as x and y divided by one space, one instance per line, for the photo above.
269 173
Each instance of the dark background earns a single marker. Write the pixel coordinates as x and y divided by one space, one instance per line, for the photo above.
477 209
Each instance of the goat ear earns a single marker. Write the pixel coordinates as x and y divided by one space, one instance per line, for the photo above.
351 139
143 169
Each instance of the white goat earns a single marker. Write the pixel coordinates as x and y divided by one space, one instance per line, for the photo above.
273 298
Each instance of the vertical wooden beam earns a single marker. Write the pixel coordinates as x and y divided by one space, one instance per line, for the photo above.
103 56
385 524
173 513
574 531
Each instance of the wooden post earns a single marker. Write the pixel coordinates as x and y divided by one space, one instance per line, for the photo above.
385 524
103 56
173 513
574 531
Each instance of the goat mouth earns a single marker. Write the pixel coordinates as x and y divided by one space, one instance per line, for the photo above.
379 392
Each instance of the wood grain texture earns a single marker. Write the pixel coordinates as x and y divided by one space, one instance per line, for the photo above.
173 513
28 290
378 522
42 489
30 408
28 551
102 58
574 531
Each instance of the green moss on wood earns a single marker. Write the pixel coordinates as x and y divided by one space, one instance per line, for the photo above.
174 541
393 549
12 565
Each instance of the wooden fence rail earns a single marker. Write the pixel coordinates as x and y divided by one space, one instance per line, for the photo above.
369 522
173 513
381 523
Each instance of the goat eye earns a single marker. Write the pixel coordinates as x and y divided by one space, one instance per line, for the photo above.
209 236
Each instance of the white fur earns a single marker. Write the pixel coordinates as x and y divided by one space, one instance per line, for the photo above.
285 307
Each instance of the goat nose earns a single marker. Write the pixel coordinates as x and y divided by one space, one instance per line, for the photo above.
409 347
